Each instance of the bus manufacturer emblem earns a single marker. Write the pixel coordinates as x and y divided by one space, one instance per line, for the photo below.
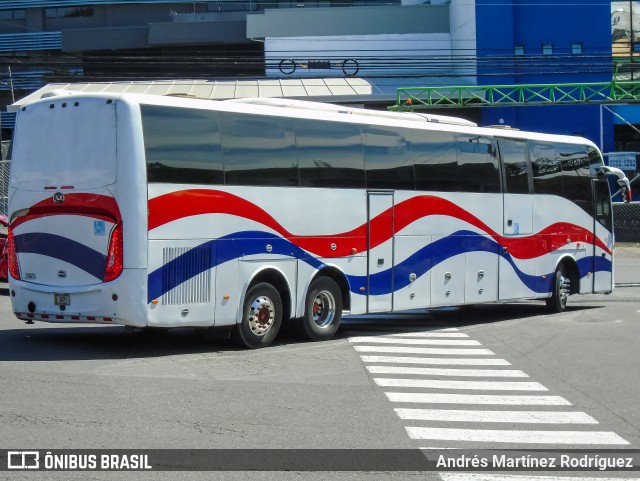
58 197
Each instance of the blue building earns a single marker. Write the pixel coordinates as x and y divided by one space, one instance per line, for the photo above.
523 42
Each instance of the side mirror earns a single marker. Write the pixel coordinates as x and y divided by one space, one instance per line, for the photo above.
623 182
625 192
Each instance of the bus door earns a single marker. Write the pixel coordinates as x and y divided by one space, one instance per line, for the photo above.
517 214
380 251
603 229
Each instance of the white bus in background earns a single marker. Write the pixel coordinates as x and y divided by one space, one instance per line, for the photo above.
152 211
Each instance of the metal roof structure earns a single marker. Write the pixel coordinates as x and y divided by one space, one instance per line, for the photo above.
330 89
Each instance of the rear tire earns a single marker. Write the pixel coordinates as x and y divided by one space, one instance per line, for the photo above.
561 289
261 317
322 310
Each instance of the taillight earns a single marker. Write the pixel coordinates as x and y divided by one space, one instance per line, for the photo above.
14 268
114 255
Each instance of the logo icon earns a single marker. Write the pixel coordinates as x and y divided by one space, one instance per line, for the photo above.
23 460
58 197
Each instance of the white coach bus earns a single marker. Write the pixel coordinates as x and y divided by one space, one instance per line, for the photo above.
153 211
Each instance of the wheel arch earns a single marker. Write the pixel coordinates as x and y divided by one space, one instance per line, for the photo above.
274 276
340 278
573 273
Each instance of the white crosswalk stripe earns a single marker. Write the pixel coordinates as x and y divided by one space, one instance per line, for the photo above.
525 417
519 436
471 385
436 401
429 371
458 361
424 350
480 399
413 341
516 477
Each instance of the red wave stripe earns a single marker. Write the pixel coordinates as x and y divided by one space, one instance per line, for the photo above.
176 205
98 206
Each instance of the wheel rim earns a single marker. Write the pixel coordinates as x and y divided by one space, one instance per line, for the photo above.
262 314
323 309
563 289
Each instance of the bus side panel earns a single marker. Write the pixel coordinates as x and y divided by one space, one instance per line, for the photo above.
564 230
604 278
412 272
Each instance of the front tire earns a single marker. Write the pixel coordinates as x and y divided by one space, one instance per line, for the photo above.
322 311
261 317
561 290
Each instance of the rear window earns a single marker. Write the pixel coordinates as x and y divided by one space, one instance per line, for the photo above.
65 142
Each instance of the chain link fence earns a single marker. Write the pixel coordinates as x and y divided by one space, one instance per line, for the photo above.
626 222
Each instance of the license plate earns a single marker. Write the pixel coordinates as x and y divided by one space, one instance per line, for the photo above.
62 299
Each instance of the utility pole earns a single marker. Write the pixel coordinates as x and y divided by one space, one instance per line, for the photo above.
13 97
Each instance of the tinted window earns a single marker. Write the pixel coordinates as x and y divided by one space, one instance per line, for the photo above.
387 160
603 204
329 154
181 145
547 168
576 175
258 150
435 162
477 164
514 160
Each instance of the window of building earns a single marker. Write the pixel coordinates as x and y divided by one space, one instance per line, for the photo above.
18 14
547 49
65 12
518 50
576 48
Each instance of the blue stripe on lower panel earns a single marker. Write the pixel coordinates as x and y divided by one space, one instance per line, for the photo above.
248 243
67 250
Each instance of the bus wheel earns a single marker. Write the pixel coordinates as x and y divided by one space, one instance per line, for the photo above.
561 289
322 310
261 317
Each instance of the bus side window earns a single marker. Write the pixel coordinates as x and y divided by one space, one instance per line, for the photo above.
516 170
329 154
181 145
547 168
477 164
258 150
434 160
387 160
576 175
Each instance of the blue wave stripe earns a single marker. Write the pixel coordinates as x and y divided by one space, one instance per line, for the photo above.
67 250
234 246
224 249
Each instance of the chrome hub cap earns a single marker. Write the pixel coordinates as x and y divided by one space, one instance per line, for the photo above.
323 309
261 315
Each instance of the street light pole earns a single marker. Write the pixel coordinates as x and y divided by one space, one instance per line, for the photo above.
13 97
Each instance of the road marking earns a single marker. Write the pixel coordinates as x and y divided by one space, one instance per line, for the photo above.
516 436
519 477
436 360
423 342
471 385
515 400
429 371
425 350
526 417
426 334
